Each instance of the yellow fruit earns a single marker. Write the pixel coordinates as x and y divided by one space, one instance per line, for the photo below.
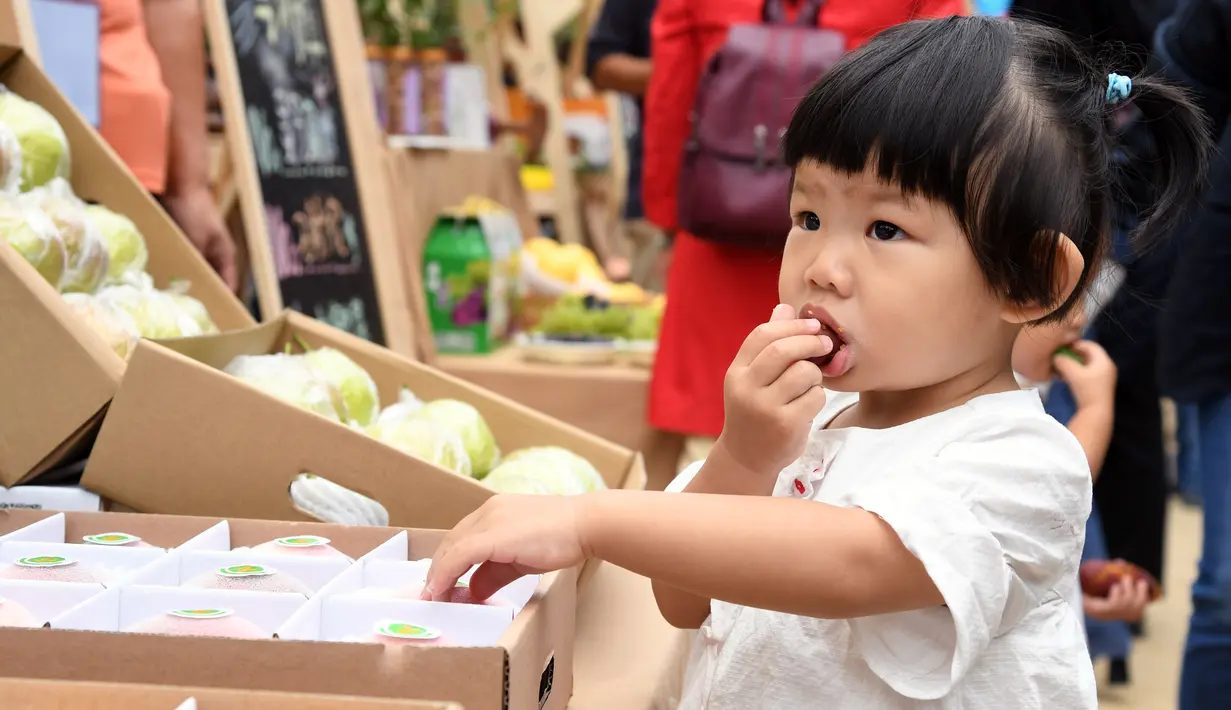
582 254
558 265
626 294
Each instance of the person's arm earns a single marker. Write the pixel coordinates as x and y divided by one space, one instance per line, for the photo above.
611 64
1092 427
675 54
176 31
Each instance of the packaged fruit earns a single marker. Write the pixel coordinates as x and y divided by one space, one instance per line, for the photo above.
476 436
88 260
529 477
35 238
291 379
44 147
220 623
113 324
126 246
354 383
563 460
427 440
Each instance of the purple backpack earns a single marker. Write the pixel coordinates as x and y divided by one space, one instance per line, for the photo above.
734 188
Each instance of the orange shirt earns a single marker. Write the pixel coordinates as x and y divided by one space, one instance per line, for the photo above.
135 104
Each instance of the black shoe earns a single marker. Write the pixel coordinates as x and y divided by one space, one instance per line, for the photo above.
1137 629
1118 674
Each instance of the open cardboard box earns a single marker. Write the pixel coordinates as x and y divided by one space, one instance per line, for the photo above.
64 695
56 374
236 450
529 669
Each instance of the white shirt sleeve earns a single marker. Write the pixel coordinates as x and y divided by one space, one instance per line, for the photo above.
998 519
681 481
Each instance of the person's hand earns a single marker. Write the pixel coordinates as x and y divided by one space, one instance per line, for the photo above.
510 537
1126 601
1093 380
195 212
772 393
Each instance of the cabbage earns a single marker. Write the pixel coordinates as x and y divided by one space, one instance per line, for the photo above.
34 237
427 440
529 477
468 423
88 261
356 385
44 147
125 246
10 161
112 324
290 379
156 313
191 307
554 457
405 408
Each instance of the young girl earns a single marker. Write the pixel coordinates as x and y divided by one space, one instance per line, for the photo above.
887 520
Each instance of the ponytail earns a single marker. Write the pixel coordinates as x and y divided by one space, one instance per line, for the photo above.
1182 147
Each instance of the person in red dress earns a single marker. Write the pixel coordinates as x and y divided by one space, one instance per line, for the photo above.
717 294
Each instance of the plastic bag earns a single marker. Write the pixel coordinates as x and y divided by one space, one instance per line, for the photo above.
327 501
157 315
356 385
426 440
112 324
126 248
191 307
407 406
44 147
468 423
88 260
10 161
291 379
34 237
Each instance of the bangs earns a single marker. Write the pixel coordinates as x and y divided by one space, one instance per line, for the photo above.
939 110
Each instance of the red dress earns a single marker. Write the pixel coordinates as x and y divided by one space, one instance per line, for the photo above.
716 295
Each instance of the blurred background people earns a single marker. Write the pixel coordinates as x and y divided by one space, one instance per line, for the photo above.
153 106
717 294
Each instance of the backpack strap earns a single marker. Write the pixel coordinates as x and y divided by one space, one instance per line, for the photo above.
809 13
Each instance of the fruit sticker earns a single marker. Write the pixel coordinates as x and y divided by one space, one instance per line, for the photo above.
200 613
111 538
302 541
45 561
410 632
247 571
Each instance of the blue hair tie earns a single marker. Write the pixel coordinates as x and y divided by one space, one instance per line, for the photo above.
1118 88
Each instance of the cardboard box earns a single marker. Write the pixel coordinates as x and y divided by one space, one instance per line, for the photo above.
183 437
56 374
62 695
530 669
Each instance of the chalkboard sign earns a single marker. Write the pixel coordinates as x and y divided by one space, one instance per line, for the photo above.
310 172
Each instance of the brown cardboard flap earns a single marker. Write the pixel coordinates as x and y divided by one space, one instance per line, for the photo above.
19 694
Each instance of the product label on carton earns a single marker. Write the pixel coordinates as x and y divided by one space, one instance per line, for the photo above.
399 630
200 613
247 571
45 561
112 538
302 541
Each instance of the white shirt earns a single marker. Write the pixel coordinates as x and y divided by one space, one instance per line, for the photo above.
992 496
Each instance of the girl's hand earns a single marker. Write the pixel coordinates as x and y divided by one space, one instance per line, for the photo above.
772 393
1093 380
1126 601
510 537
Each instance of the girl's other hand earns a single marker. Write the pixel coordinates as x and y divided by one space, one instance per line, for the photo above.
1126 601
772 393
1093 380
510 537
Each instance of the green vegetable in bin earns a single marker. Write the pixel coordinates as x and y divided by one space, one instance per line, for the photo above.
44 147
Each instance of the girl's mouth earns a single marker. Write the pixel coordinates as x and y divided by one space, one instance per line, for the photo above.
831 331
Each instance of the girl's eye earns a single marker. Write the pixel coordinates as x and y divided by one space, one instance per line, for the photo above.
886 231
809 221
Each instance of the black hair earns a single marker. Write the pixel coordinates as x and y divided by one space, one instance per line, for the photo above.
1006 122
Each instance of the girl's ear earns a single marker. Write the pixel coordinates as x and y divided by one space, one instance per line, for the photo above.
1069 266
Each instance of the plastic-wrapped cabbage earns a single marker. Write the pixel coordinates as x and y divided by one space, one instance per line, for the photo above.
156 313
88 260
291 379
427 440
34 237
44 147
468 423
405 408
356 385
125 246
191 307
10 161
564 460
529 477
112 324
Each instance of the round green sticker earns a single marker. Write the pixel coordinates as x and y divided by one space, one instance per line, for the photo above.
111 538
201 613
302 541
399 630
45 561
247 571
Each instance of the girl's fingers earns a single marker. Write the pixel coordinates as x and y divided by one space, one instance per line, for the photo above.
781 354
491 577
767 333
449 567
799 377
808 405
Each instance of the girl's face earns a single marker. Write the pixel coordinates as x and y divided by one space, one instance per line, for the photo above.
896 277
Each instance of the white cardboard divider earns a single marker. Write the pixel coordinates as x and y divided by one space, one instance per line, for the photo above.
189 704
116 565
355 618
391 575
216 538
46 530
118 609
314 572
47 600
